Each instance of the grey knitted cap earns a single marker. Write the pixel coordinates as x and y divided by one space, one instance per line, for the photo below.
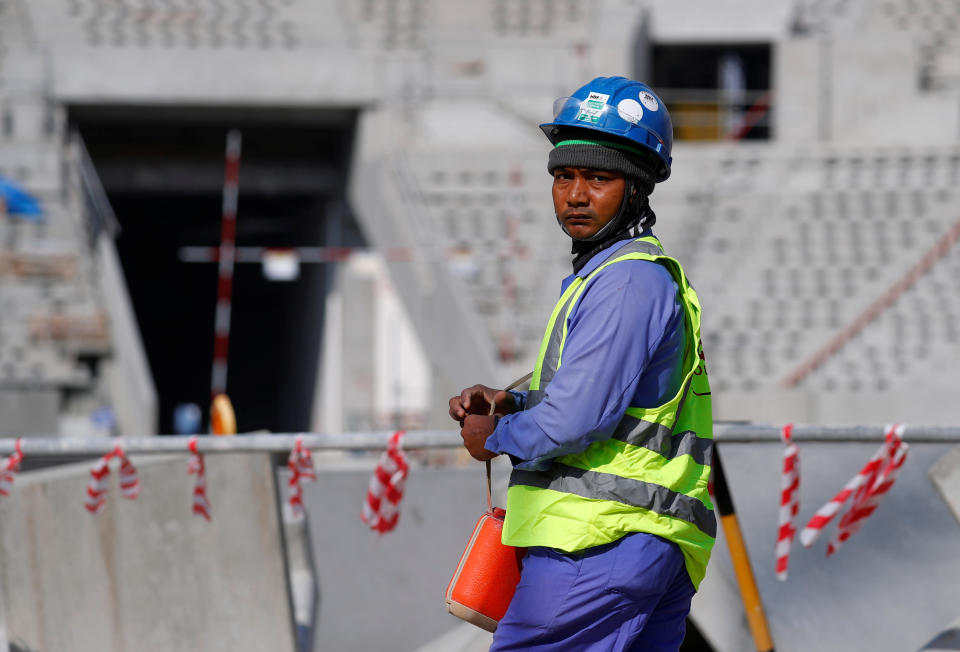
603 155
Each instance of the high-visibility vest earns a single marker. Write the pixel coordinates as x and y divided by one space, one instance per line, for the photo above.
650 476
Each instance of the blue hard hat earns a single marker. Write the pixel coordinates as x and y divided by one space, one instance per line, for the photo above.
625 109
186 419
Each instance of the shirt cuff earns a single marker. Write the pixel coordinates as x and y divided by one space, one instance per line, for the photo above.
492 444
520 398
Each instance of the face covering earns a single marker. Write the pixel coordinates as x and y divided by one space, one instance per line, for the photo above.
633 215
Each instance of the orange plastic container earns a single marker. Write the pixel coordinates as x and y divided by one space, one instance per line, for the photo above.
486 577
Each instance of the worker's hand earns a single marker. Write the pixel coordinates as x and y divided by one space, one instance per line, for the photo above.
476 428
476 400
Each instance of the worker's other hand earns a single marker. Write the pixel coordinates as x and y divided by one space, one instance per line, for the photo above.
476 400
476 428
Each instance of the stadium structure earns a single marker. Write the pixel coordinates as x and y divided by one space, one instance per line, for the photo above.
815 165
391 157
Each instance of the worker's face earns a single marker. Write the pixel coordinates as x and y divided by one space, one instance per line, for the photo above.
586 200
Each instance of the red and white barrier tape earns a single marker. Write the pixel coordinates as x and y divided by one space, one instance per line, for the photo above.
872 492
381 510
97 489
129 482
301 468
196 466
789 502
8 468
96 496
867 488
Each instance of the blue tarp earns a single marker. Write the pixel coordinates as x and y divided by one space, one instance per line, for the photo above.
19 202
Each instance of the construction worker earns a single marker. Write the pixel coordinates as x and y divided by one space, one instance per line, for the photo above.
611 446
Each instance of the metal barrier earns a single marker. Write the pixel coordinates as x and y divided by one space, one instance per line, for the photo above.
726 433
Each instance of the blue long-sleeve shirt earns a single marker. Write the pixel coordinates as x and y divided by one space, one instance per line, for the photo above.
624 347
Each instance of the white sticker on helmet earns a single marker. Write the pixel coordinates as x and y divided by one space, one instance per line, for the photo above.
630 110
592 108
649 100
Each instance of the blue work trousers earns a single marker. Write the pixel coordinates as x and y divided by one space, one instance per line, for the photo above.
632 594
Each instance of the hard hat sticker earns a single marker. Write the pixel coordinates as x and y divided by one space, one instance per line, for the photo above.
592 107
630 110
649 100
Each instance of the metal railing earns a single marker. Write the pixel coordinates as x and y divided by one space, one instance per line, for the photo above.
99 213
726 433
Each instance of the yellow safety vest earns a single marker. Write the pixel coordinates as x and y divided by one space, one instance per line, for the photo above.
650 476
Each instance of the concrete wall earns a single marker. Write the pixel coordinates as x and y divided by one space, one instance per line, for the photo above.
926 404
131 384
145 574
387 592
29 412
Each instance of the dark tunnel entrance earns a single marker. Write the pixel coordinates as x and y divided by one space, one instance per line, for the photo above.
163 171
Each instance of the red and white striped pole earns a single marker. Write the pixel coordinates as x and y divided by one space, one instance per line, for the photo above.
789 501
228 231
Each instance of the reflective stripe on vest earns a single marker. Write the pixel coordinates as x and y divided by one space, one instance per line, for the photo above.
656 437
607 486
649 476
